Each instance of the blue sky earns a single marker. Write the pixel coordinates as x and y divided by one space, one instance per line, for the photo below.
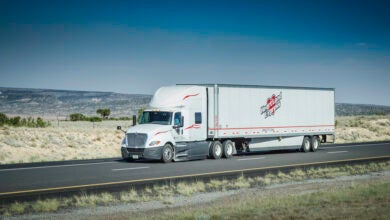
138 46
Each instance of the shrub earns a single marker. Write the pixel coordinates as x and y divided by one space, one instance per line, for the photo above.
94 119
41 123
77 117
104 112
3 119
17 121
125 118
81 117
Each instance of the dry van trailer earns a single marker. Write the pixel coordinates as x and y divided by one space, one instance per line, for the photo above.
257 118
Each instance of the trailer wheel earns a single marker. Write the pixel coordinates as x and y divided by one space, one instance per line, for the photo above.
305 144
228 149
167 153
216 150
314 143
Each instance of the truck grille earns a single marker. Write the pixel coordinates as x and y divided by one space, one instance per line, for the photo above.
135 151
136 140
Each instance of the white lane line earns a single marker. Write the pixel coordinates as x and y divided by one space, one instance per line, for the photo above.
131 168
55 166
358 145
337 152
253 158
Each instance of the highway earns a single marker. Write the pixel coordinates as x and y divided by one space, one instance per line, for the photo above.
78 175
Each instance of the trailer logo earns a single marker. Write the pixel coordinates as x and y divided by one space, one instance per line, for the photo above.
273 104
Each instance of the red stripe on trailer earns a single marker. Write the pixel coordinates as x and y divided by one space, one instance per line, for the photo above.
246 128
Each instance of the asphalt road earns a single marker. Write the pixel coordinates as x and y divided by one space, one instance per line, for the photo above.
18 180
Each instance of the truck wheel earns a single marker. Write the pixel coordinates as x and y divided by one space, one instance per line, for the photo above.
305 144
210 155
216 150
314 143
167 153
227 149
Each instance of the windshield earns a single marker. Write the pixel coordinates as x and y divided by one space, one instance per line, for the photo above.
162 118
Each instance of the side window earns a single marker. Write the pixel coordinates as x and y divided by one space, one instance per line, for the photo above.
198 118
176 119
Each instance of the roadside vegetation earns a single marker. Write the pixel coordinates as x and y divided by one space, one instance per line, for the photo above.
351 129
62 140
104 115
377 195
81 117
18 121
356 201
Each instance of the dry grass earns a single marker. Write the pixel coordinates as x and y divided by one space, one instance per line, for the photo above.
356 201
87 140
165 193
71 140
187 189
351 129
18 208
46 205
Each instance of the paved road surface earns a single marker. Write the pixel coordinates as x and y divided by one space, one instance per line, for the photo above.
64 176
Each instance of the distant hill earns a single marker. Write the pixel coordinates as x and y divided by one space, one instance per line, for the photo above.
343 109
50 103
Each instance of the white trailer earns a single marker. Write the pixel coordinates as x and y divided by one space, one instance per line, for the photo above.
196 121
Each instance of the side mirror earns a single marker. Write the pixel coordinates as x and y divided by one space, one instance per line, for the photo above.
120 128
182 121
134 120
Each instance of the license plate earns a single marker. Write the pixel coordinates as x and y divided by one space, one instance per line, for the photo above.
135 156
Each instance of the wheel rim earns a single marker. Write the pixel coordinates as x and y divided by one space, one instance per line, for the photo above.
167 153
315 144
229 149
218 149
307 145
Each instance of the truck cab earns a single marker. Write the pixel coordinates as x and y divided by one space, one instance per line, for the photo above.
173 127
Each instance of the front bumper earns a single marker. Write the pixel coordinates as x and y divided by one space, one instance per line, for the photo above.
146 153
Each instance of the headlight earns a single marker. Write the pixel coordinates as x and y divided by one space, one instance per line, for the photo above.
153 143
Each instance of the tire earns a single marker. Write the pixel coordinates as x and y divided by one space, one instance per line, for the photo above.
227 147
216 150
314 143
306 144
210 156
167 153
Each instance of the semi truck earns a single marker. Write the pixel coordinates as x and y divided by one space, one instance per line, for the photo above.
199 121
